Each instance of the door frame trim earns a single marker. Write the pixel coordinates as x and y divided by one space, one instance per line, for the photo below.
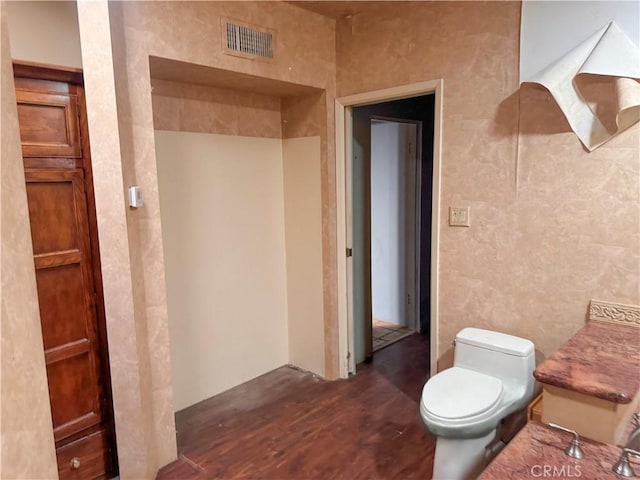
45 71
344 148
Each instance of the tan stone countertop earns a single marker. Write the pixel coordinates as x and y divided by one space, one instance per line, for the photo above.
601 360
537 451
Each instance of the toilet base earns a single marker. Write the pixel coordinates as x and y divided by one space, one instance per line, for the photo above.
460 458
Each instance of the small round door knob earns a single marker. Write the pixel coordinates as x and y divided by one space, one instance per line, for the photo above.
75 463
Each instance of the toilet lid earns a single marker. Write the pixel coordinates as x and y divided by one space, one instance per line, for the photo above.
457 393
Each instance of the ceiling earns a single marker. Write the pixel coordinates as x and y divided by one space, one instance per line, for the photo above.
332 9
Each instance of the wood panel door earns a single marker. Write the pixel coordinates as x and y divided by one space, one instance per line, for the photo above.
49 124
59 231
65 253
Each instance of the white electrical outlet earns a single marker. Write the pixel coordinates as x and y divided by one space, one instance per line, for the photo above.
459 217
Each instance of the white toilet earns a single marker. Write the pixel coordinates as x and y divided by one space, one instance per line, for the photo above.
491 377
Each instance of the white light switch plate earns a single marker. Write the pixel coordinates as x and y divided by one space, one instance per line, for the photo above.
135 197
459 217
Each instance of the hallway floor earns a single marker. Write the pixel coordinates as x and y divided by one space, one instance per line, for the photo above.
289 424
385 333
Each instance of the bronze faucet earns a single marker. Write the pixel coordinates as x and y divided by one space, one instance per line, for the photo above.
622 466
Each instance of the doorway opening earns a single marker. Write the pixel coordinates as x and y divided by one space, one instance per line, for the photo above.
390 209
395 223
389 284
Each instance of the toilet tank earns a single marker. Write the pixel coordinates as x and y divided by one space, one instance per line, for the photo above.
509 358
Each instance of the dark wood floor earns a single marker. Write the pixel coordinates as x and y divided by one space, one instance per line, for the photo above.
289 424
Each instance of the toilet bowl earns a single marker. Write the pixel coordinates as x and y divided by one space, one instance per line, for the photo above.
491 378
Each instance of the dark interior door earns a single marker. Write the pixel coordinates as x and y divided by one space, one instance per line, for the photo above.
65 253
361 236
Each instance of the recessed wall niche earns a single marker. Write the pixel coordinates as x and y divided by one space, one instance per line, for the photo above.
241 210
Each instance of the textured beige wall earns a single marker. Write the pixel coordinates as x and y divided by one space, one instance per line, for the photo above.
142 400
578 222
45 32
26 431
303 225
552 226
222 202
313 116
183 107
306 47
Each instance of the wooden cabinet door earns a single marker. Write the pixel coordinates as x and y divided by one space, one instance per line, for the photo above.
48 124
55 150
59 231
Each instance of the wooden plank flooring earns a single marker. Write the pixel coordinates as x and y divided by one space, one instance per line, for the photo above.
289 424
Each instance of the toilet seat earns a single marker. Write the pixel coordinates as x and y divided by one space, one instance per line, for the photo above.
458 395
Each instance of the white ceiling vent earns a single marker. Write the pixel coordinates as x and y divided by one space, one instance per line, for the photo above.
249 41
